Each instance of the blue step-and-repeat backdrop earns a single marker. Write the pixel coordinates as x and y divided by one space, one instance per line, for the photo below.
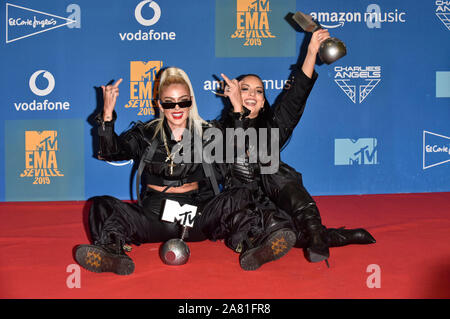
377 120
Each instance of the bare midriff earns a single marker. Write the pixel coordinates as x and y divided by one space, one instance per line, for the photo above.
175 189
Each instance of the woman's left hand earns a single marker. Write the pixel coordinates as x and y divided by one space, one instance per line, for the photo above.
233 92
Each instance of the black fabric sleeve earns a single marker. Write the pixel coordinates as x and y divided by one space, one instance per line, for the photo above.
289 106
129 145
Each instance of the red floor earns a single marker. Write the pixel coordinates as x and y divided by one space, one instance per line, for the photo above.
412 253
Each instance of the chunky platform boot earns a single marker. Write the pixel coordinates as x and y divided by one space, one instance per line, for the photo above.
104 258
269 243
259 237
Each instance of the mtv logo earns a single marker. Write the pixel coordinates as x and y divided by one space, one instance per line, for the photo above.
436 149
144 71
174 212
252 5
41 141
362 151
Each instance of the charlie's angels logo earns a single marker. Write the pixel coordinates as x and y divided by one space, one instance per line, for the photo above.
143 85
22 22
252 22
357 79
40 156
443 12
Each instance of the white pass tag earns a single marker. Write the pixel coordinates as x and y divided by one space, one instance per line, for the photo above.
174 212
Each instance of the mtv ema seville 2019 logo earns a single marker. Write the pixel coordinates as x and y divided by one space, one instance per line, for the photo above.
40 156
143 85
44 159
252 21
254 28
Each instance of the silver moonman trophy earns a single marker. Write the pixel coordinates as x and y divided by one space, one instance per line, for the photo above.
331 49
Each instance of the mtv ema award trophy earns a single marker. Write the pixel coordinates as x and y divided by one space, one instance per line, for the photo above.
331 49
175 251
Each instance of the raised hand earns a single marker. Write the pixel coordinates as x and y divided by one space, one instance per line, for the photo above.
110 94
313 48
316 39
233 92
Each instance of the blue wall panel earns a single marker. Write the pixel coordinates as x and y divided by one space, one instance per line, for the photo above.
377 120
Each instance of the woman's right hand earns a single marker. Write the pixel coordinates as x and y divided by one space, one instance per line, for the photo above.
110 94
233 92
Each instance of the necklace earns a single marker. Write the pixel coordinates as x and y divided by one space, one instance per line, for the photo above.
170 156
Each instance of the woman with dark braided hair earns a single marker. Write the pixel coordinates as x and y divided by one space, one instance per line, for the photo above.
278 195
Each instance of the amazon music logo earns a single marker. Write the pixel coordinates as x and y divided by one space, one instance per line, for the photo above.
42 83
147 13
373 17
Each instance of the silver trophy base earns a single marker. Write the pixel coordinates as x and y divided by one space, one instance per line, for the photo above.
174 252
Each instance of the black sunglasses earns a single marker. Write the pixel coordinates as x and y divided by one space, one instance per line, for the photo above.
172 105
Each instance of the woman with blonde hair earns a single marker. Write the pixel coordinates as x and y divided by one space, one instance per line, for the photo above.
114 223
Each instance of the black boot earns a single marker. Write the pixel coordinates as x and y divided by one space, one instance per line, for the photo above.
338 237
296 201
309 223
104 258
269 238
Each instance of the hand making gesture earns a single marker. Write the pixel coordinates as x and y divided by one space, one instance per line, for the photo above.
233 92
110 94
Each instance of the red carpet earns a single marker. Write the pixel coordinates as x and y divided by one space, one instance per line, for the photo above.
412 252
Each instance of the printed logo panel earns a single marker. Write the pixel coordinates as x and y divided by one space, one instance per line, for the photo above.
362 151
254 28
443 84
143 85
44 160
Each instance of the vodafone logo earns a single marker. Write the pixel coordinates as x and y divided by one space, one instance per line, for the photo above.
147 22
50 85
46 79
147 13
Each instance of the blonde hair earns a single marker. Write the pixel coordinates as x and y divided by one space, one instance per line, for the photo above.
174 75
